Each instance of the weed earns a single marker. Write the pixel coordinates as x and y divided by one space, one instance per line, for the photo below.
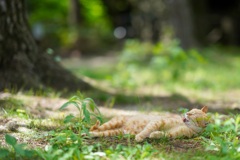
224 137
69 143
19 150
86 108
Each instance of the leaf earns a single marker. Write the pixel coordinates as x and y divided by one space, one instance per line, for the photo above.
68 118
86 113
68 103
10 140
77 155
68 154
64 105
98 117
30 153
75 98
85 130
4 153
19 149
91 103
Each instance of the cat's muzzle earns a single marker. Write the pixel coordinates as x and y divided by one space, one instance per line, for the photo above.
185 119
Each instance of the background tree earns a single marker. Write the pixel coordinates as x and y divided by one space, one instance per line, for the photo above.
148 20
216 21
193 22
21 64
74 13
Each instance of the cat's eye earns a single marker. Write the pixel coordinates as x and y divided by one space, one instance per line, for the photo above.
189 114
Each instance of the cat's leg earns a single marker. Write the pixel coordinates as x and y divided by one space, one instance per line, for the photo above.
106 133
157 134
114 123
180 131
151 127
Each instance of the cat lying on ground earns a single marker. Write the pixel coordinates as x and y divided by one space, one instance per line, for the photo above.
143 126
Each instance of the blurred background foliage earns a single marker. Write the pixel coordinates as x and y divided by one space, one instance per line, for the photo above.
165 60
189 43
53 25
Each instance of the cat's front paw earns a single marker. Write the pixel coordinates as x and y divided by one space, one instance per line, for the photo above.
95 126
138 138
156 135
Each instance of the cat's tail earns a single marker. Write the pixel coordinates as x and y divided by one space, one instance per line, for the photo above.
107 133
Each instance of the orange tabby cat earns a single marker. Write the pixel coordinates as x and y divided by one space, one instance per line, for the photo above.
141 126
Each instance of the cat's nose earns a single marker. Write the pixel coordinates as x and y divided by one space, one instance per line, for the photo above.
185 120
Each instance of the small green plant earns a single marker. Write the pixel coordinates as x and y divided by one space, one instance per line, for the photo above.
87 109
224 137
144 151
66 143
19 149
63 145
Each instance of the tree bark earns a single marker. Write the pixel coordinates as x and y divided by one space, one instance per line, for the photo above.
21 64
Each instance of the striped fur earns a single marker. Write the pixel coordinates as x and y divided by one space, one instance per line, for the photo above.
154 126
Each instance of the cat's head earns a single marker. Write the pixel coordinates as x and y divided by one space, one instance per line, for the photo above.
197 119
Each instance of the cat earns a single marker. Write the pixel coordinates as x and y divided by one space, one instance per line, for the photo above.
143 126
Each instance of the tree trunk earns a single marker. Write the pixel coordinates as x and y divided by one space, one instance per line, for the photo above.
74 13
21 65
181 20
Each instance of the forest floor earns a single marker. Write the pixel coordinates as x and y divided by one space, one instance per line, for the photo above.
44 113
36 116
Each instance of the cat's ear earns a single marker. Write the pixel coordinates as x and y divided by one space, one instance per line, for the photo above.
204 109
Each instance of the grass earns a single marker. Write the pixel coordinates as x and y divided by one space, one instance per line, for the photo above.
219 141
219 73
